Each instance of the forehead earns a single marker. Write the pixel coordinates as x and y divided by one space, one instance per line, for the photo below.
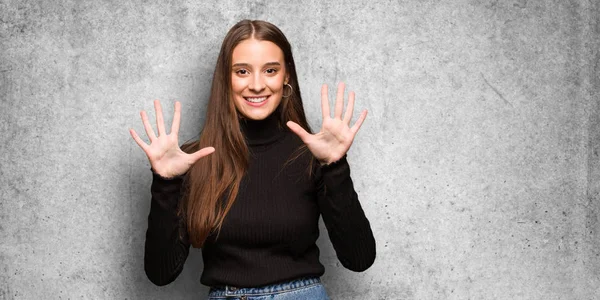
253 51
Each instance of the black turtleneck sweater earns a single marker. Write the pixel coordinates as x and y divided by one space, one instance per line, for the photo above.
269 234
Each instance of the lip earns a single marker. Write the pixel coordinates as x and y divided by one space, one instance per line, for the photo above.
254 104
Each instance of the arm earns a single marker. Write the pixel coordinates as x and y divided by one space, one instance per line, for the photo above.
167 246
166 249
348 227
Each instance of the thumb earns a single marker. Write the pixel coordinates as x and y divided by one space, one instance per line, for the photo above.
298 130
201 153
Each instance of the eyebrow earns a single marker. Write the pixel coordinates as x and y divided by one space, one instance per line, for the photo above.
273 63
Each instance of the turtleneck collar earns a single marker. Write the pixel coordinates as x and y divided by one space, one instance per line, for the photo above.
262 132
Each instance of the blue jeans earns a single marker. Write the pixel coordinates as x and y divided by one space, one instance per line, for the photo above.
299 289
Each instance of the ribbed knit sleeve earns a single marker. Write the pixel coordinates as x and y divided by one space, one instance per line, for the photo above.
348 227
166 249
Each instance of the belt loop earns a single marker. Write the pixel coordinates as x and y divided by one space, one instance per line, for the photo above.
230 290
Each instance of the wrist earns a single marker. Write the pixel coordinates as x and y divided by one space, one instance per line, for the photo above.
323 163
165 175
328 162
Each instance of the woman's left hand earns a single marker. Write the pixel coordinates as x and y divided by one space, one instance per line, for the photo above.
333 141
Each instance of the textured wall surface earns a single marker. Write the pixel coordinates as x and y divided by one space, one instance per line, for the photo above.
478 164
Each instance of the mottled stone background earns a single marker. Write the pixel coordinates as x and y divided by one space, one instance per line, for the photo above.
478 164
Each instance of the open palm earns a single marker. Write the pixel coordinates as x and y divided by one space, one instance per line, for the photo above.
164 154
336 136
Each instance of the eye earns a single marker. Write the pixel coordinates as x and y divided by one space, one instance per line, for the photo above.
242 72
271 71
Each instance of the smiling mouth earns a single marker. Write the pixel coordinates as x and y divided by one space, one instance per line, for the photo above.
256 99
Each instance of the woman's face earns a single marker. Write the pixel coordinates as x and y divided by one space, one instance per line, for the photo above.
257 78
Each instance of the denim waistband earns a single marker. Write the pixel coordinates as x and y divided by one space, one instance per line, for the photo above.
225 291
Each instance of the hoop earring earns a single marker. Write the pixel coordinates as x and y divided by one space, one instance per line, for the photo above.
291 90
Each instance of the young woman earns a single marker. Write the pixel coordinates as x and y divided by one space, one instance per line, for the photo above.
250 191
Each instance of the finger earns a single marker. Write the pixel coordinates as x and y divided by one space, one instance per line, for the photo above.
359 122
176 119
160 123
325 102
202 153
299 131
349 109
339 101
138 140
147 126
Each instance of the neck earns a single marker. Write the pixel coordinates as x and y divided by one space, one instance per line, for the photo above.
262 132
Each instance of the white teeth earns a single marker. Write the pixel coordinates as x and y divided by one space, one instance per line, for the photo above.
256 100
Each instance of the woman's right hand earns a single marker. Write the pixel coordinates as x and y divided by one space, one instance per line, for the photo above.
164 154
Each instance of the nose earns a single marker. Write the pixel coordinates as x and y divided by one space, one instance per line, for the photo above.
257 83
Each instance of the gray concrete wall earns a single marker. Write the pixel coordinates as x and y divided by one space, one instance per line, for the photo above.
478 164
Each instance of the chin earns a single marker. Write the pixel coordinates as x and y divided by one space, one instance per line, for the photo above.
257 116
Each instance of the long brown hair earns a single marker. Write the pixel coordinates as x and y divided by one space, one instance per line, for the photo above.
212 183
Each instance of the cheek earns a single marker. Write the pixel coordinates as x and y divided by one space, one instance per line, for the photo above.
237 84
276 84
